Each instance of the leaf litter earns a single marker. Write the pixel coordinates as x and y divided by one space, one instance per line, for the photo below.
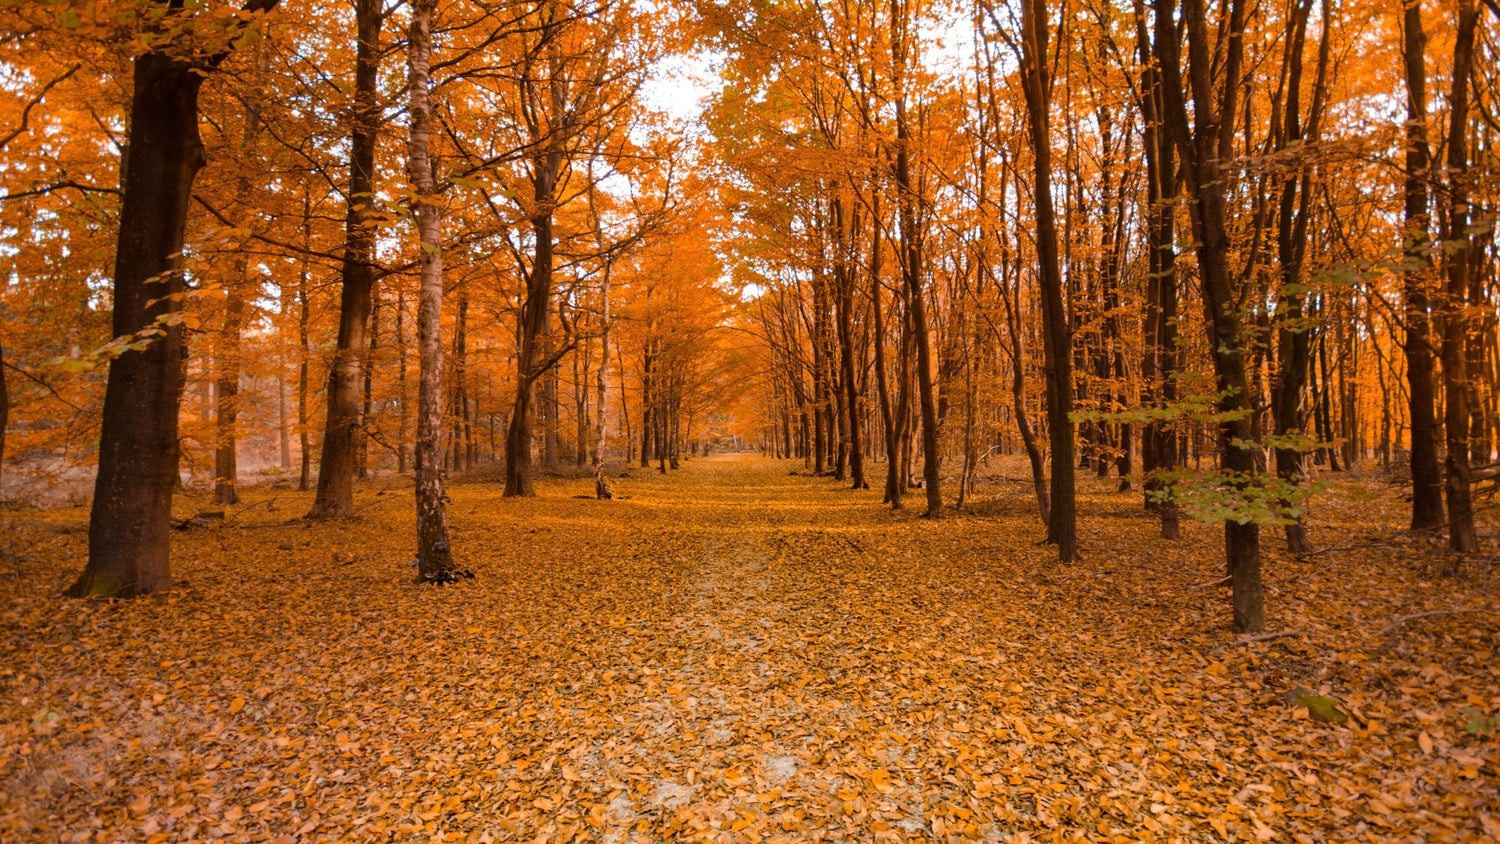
738 654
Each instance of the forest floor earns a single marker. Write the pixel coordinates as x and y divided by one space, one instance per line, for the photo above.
738 653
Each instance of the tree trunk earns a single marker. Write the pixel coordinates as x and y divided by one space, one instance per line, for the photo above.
367 392
403 420
844 275
882 385
601 483
533 359
131 520
304 350
237 289
1203 145
1159 452
434 555
335 496
1426 478
1293 335
1057 342
4 416
647 426
1457 249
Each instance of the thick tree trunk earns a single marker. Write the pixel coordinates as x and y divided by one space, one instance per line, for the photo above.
1057 341
534 320
335 497
434 554
131 519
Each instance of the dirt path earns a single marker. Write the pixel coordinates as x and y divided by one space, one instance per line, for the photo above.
731 653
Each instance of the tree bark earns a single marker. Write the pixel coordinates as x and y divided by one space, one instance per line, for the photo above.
4 415
1293 335
1203 146
532 359
238 287
882 386
1057 341
1457 249
1159 452
434 553
335 496
304 347
1426 477
403 419
130 522
601 483
844 318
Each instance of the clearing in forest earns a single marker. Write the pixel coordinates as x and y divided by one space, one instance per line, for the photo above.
740 652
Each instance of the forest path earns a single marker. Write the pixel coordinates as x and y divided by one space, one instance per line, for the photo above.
734 651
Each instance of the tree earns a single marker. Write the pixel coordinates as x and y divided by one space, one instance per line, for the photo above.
336 465
130 522
1294 334
434 550
912 216
1457 263
1057 340
1203 144
1426 478
574 73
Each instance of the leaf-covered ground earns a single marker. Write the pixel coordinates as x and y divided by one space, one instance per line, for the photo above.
735 653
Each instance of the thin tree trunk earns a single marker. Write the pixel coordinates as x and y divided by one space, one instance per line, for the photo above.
1203 146
1159 440
882 385
367 392
4 415
304 349
1293 336
601 483
1056 348
237 288
403 419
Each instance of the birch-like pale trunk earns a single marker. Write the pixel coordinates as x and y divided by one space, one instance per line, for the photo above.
601 483
434 555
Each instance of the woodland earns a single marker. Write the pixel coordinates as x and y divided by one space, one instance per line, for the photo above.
791 420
